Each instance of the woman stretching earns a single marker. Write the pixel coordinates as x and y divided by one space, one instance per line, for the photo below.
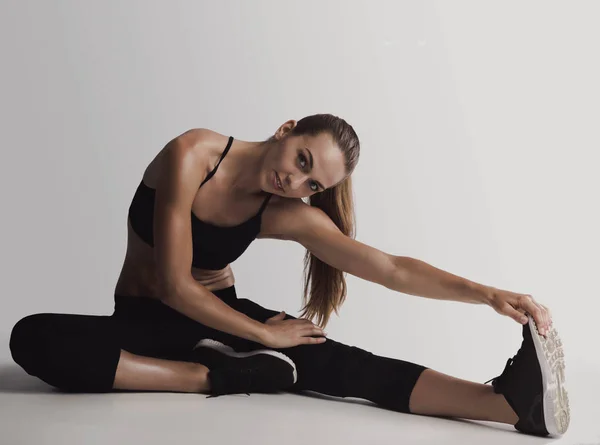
178 324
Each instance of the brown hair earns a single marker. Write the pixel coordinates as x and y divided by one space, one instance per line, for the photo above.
324 285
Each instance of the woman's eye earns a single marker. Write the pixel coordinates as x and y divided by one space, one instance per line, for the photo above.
303 162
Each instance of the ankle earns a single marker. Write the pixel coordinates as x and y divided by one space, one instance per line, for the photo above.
200 381
505 413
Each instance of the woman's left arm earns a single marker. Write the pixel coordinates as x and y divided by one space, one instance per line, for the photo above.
312 228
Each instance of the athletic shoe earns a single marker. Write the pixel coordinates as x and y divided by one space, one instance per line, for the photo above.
533 383
231 372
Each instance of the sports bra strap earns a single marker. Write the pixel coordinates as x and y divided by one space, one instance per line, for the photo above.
214 170
264 204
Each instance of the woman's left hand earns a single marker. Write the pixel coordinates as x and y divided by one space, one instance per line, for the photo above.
515 305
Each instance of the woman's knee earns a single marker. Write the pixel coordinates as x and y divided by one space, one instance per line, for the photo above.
325 364
70 352
25 337
341 370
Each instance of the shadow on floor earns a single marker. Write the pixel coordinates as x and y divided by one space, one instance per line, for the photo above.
474 423
14 380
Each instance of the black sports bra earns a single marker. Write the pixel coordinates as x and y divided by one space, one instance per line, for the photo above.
214 247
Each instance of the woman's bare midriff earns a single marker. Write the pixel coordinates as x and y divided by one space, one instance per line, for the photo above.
138 274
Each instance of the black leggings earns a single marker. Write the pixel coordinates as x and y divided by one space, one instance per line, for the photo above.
81 352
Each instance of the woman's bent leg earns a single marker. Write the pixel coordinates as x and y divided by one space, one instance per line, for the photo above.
85 353
137 372
67 351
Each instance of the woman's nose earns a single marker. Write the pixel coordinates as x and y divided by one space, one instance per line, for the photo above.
296 181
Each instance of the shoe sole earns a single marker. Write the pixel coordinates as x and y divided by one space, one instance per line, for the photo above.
551 357
228 350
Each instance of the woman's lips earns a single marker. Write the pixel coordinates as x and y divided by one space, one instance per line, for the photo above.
275 182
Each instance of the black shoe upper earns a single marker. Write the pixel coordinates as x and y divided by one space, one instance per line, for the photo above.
259 373
521 384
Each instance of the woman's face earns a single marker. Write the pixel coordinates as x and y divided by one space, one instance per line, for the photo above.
300 166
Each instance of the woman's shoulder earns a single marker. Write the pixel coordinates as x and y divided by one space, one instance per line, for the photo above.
201 144
286 218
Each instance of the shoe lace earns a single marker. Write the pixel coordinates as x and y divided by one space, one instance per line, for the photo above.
508 368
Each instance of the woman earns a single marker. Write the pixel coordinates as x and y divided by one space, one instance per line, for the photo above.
178 324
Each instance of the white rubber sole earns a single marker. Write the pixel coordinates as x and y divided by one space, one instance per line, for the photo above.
228 350
552 363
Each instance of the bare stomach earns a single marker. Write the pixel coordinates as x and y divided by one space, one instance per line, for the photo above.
138 274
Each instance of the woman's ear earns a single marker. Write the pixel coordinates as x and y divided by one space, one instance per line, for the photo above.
285 129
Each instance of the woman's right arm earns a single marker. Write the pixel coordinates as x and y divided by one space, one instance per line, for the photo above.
182 171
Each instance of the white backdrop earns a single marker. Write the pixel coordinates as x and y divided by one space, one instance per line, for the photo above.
479 131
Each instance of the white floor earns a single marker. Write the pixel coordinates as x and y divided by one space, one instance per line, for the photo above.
31 412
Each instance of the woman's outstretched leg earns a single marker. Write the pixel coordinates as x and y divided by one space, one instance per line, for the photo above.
529 393
438 394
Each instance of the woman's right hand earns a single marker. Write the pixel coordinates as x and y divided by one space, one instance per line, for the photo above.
280 333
